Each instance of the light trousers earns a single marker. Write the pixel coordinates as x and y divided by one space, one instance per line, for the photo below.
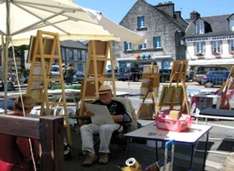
105 132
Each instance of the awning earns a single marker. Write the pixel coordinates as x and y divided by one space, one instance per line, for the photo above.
204 62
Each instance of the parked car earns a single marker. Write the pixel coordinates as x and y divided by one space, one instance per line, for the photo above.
54 71
108 73
78 76
10 86
10 103
214 78
201 71
129 73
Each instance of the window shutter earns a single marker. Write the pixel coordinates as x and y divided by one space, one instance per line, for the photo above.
130 45
125 46
140 46
221 46
159 42
195 48
204 47
138 22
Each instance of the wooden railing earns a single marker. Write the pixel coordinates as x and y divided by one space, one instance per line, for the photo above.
48 130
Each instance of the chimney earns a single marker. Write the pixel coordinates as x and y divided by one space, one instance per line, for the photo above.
177 14
167 7
194 15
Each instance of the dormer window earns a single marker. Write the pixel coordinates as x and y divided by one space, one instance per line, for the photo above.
141 23
200 28
216 47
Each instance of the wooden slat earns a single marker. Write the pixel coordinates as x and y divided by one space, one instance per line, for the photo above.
23 126
52 151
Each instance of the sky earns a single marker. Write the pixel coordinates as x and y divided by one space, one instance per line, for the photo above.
117 9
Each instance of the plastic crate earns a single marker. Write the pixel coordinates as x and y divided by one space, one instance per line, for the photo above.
163 122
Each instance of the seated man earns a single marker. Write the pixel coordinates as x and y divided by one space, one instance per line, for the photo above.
120 117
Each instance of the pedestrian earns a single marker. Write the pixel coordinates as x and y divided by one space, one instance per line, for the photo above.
69 74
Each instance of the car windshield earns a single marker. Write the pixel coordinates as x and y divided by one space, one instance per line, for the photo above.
55 68
79 73
204 70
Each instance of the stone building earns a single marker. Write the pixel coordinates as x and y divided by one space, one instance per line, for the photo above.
163 29
210 40
74 52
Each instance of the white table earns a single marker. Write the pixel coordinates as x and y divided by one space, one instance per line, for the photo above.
191 137
211 113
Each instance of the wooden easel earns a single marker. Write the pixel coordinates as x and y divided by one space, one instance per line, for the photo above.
229 84
99 52
176 95
150 82
45 51
149 89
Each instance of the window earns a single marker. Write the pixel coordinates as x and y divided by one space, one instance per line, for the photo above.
140 22
142 46
157 42
75 55
216 47
127 46
83 55
69 54
64 54
200 48
231 45
200 29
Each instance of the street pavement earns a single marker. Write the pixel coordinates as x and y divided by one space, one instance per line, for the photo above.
221 139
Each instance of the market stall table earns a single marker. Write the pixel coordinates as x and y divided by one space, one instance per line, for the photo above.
191 137
212 113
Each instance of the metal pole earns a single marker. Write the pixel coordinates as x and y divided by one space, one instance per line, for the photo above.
7 40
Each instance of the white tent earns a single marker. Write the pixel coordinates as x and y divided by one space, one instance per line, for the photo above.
19 19
102 29
21 16
71 22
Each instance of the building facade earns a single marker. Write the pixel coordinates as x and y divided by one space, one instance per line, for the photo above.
74 52
210 40
163 29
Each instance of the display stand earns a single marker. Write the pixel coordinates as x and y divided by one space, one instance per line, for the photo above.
175 115
44 52
99 52
175 93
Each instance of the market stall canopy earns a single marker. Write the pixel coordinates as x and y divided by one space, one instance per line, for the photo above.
71 30
26 15
71 22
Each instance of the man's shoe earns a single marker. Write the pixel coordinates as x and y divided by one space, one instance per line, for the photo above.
89 159
103 158
67 152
